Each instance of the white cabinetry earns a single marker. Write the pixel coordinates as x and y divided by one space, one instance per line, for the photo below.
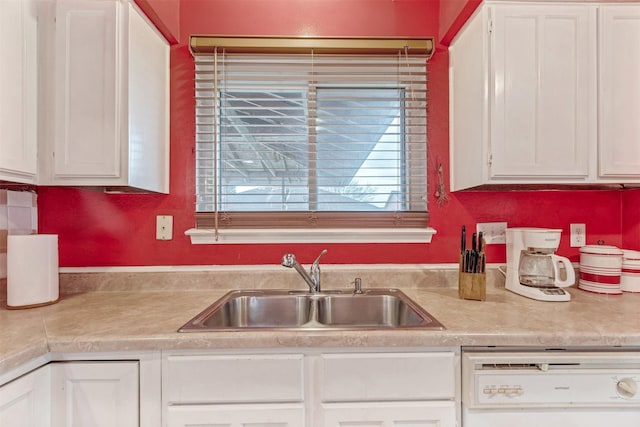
619 96
522 81
331 390
18 91
97 394
209 389
283 415
543 70
385 414
25 402
120 389
528 103
386 389
107 97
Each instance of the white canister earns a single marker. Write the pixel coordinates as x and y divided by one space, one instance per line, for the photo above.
630 277
600 269
32 270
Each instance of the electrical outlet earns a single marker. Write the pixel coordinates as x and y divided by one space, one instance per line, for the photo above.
492 232
578 235
164 227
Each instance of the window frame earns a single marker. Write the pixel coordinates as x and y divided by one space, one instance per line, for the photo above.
311 226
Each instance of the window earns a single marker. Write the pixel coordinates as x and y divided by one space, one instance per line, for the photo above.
310 140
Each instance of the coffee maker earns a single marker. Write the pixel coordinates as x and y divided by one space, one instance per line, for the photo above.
533 267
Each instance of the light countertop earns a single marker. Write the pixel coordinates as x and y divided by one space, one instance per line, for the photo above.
99 320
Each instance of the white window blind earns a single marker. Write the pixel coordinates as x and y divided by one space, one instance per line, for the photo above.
310 140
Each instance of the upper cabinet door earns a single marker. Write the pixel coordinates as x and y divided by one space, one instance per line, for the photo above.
542 90
619 113
106 98
18 90
87 89
148 105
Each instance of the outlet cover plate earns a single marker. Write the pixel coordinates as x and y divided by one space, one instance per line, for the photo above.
578 235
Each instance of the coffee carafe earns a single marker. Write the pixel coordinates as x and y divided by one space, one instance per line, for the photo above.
541 270
533 269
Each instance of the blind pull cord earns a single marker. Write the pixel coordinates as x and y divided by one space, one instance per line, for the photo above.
215 143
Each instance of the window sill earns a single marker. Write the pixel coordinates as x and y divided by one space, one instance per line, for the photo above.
326 235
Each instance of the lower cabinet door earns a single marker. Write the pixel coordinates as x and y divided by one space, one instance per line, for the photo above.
389 414
24 402
96 394
238 415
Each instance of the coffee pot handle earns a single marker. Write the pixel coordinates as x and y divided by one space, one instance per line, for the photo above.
570 273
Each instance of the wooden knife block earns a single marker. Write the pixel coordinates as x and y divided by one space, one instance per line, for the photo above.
472 286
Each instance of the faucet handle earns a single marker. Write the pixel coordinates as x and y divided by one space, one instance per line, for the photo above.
316 263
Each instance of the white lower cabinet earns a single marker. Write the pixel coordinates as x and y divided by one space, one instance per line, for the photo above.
25 401
234 390
386 389
310 389
385 414
97 394
112 392
280 415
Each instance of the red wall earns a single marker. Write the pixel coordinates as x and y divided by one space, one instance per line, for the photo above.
631 219
165 14
453 14
99 229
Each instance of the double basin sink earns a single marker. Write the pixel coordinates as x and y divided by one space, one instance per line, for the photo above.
329 310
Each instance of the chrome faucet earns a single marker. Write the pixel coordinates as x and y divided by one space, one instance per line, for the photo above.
312 279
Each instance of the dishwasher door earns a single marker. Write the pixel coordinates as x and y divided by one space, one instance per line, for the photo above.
551 417
551 389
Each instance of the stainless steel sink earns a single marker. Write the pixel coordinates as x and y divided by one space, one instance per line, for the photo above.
257 311
291 310
368 310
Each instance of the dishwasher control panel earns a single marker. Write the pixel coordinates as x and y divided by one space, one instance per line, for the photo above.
531 379
562 386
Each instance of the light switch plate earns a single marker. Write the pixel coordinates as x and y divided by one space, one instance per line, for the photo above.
164 227
493 233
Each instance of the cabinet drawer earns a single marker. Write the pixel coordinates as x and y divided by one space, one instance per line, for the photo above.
391 377
233 379
276 415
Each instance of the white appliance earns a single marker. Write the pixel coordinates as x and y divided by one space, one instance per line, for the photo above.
533 248
550 388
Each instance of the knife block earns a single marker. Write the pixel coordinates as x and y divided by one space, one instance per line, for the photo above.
472 286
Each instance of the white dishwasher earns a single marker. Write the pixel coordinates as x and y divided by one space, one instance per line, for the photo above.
550 388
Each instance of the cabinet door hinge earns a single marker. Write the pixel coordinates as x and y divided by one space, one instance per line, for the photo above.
490 26
489 159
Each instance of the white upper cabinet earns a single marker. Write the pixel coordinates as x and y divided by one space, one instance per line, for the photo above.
525 106
619 107
18 91
541 81
108 97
